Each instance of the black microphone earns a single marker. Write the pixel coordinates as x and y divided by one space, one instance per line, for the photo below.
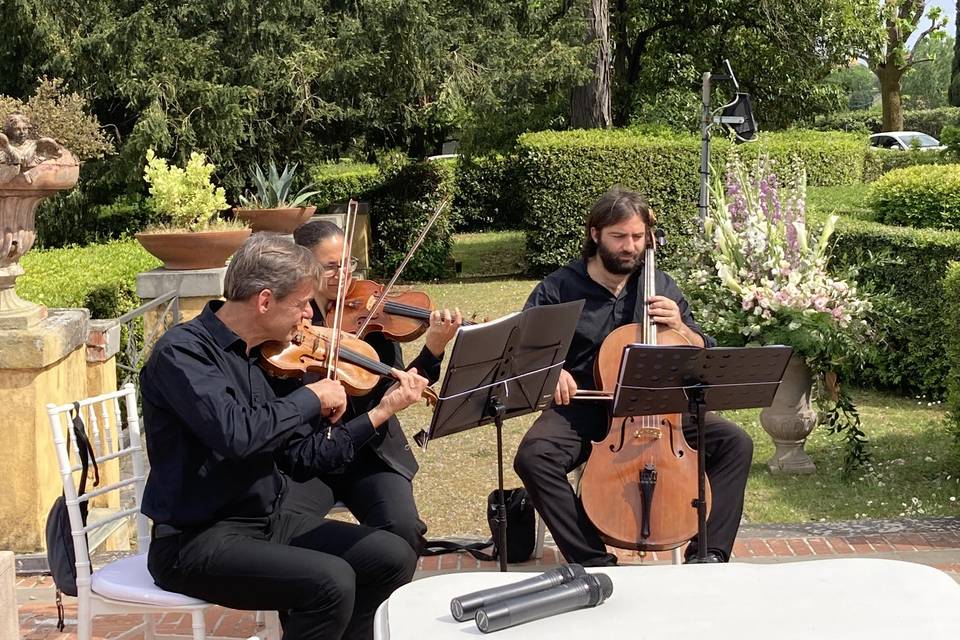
585 591
464 607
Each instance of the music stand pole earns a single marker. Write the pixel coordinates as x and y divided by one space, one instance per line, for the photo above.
698 413
503 369
496 409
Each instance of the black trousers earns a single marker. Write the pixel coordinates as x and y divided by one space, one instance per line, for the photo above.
375 494
560 440
326 578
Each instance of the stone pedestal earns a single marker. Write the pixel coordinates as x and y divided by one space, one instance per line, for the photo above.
790 419
43 364
195 287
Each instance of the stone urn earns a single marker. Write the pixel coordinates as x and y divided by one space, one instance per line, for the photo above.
179 250
277 220
790 419
21 191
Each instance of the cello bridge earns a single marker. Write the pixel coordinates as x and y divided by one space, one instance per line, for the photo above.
651 433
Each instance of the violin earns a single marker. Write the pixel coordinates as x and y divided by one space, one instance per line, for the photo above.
402 316
640 482
358 367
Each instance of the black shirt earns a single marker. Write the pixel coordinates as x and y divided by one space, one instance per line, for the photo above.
213 423
602 311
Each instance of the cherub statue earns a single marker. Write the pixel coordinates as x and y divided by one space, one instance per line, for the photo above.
16 147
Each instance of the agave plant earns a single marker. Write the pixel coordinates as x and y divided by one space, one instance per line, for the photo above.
271 189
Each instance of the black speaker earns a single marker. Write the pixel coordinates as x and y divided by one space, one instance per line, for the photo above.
746 130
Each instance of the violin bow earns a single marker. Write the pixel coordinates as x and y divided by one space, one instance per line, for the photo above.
416 245
349 226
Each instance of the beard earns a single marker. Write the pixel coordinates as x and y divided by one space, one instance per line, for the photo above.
619 263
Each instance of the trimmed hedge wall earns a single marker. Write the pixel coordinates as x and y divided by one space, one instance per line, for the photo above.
487 195
399 207
922 196
930 121
342 181
101 277
880 161
563 173
910 264
951 312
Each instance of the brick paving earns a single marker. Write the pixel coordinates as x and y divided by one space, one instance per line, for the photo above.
934 542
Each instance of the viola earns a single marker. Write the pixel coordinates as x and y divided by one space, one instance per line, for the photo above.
640 482
358 368
402 317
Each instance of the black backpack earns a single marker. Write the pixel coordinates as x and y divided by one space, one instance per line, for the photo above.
521 530
60 551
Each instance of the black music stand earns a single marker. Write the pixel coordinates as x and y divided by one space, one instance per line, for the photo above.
503 369
656 380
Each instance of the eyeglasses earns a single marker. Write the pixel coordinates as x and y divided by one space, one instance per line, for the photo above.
330 270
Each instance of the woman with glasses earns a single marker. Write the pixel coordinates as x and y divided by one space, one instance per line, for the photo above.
377 486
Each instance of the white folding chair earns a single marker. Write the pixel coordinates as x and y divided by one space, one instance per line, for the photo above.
123 586
575 477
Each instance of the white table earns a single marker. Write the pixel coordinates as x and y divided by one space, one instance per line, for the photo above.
847 599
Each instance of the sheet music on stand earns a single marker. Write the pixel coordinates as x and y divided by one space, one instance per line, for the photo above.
502 369
517 358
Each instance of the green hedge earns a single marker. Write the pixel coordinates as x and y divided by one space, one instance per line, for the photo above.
337 182
922 196
930 121
951 312
880 161
563 173
400 206
99 277
910 265
487 195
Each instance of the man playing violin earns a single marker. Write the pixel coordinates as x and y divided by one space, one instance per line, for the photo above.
608 277
215 426
377 485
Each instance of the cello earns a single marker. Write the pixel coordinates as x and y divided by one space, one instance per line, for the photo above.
639 484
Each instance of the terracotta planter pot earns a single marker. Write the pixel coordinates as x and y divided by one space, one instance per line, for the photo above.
193 249
278 220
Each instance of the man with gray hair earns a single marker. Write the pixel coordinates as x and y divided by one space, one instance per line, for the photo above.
215 426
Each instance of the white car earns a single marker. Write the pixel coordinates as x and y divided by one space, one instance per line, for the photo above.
905 141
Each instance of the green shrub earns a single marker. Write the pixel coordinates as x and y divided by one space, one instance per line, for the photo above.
101 277
930 121
880 161
563 173
921 196
337 182
399 208
486 194
909 264
951 313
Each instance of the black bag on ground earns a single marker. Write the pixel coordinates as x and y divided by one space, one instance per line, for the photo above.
60 552
521 531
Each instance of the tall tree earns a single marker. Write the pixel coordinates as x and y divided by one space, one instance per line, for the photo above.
590 102
954 93
925 85
893 56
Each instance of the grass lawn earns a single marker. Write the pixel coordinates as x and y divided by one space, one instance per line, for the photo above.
496 253
846 200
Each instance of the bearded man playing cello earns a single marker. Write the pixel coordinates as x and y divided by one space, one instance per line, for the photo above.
608 278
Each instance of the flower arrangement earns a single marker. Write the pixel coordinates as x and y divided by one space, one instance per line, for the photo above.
764 280
185 197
